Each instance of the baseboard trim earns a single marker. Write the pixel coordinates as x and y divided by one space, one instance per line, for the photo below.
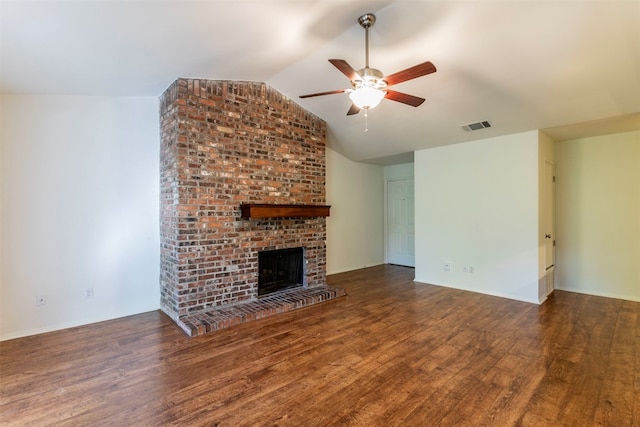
635 298
67 325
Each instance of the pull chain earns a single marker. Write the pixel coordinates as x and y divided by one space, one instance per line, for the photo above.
366 120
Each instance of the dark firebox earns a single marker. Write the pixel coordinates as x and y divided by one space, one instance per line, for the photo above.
280 269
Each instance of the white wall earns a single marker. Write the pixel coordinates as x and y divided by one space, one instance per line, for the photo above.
80 197
598 215
355 228
477 205
402 171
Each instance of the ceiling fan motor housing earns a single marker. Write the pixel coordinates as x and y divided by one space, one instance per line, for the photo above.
369 77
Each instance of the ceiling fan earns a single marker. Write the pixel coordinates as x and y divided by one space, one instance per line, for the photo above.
369 84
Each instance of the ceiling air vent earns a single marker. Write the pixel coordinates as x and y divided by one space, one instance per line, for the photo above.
476 126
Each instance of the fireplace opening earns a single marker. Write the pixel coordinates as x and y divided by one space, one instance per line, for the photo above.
280 269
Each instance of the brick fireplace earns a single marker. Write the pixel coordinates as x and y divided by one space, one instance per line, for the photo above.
225 144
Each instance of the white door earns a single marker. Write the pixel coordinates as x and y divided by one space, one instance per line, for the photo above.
400 223
549 216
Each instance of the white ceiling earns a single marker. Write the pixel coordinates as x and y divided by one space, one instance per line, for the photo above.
522 65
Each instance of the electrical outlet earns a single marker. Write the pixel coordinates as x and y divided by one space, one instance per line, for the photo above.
447 266
467 269
88 292
41 300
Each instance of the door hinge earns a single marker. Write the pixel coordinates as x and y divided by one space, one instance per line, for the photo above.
554 242
554 178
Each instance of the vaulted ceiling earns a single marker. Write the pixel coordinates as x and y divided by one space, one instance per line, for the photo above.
570 67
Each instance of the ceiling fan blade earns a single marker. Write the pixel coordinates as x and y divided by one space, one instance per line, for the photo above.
353 110
331 92
345 68
411 73
414 101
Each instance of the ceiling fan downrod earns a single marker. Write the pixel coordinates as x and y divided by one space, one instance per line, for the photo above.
367 20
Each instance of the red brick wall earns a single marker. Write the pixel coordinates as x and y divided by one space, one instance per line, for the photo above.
224 143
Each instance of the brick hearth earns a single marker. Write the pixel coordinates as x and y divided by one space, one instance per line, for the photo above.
203 322
226 143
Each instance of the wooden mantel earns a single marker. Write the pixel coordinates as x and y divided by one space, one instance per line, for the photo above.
281 211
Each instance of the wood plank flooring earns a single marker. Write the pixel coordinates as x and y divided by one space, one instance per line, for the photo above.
391 353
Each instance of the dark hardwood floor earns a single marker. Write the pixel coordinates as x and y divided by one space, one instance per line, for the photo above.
390 353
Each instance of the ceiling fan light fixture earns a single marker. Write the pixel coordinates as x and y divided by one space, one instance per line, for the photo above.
366 97
369 84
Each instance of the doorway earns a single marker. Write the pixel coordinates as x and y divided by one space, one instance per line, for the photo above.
400 236
549 216
549 228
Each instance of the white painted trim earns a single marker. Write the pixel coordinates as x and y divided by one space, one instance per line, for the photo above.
345 270
67 325
603 294
493 294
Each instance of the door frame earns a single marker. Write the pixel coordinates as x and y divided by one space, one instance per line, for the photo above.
550 214
386 210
